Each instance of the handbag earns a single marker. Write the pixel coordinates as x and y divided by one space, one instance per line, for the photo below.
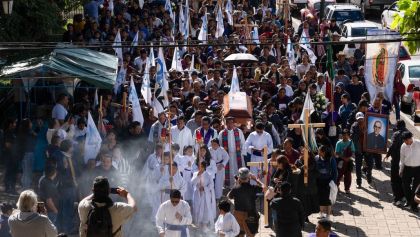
333 192
332 131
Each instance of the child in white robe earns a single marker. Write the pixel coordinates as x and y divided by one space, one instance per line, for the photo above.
185 166
221 158
226 224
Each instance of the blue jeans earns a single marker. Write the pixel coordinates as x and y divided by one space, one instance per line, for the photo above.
27 170
66 209
53 217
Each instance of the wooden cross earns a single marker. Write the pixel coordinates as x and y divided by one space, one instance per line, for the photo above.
247 31
306 126
265 168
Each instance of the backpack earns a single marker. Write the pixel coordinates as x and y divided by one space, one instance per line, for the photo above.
99 222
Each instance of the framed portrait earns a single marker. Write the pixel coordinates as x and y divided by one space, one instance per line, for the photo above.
376 135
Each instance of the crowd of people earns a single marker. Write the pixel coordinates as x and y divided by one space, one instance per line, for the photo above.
184 164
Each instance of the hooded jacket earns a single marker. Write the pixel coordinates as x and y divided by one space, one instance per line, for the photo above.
22 223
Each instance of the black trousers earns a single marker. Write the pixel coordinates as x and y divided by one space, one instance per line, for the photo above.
396 181
369 164
410 180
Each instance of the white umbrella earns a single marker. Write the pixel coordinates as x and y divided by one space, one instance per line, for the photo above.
240 57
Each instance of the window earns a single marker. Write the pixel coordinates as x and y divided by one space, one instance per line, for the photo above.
414 71
317 5
361 31
348 15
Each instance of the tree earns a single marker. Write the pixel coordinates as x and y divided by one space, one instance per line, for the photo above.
409 23
32 20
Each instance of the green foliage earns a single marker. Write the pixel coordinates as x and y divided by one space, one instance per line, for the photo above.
408 25
32 20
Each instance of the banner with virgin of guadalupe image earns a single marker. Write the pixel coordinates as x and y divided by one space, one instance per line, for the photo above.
381 62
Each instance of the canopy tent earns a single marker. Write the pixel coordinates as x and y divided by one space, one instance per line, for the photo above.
96 68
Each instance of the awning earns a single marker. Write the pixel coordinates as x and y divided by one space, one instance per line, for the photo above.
96 68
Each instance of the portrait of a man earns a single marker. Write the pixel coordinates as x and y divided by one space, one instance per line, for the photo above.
376 137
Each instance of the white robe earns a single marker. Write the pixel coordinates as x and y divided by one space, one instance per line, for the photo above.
227 225
182 137
156 128
177 183
166 215
220 157
233 163
255 141
151 171
187 173
211 169
204 203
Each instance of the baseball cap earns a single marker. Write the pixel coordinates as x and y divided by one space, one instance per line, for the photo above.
360 115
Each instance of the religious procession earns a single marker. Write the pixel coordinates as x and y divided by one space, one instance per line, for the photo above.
205 118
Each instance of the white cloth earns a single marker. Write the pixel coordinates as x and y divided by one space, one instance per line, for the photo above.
227 225
233 163
221 158
182 137
187 172
177 183
23 223
204 203
120 213
59 112
166 214
155 130
258 142
410 155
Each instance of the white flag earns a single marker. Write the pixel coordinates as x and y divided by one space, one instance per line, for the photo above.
311 54
120 79
146 90
117 47
93 140
229 11
307 105
191 69
111 6
290 51
168 7
186 31
304 39
96 100
176 61
181 19
141 4
255 36
220 28
234 86
161 72
135 104
203 31
135 42
152 57
157 107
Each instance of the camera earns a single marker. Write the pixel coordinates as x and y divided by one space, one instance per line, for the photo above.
114 191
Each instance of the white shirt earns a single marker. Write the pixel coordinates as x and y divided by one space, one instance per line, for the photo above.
59 112
120 213
227 225
182 137
166 214
256 141
410 155
140 63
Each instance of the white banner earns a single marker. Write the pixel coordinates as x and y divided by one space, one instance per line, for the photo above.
381 63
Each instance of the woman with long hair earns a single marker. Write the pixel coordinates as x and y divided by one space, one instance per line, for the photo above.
327 168
203 155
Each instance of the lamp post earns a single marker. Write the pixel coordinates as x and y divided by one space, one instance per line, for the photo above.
7 7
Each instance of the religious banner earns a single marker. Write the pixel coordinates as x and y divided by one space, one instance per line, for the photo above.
381 63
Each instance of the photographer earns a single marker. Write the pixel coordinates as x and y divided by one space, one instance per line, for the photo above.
99 215
27 220
244 195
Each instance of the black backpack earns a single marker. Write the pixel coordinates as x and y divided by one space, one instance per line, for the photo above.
99 222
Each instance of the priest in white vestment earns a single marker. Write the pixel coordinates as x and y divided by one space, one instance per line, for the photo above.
181 135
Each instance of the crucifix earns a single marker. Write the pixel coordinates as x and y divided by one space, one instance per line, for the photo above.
264 166
306 126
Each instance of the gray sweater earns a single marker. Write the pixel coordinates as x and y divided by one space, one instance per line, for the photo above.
23 223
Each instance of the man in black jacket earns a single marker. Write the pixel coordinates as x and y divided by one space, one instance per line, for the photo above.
290 213
394 151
